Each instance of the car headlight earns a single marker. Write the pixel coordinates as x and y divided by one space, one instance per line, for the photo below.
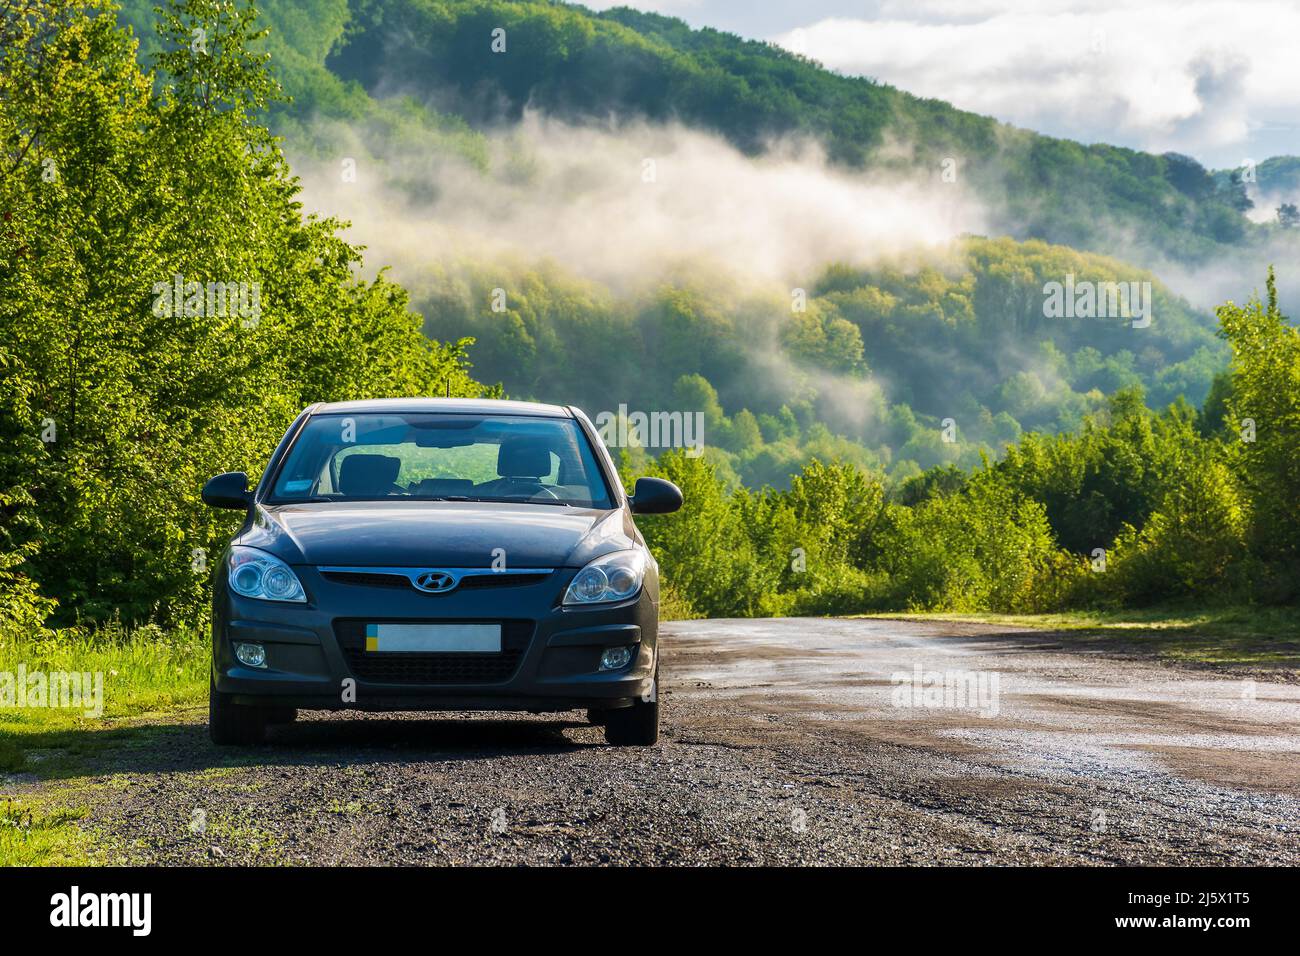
614 577
256 574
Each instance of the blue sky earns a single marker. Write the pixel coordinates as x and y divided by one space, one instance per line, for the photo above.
1217 79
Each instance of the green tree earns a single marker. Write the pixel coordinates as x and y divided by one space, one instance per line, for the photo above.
704 550
120 398
1264 411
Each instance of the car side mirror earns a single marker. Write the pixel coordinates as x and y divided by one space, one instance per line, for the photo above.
654 496
228 491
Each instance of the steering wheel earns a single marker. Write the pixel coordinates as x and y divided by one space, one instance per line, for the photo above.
541 488
508 482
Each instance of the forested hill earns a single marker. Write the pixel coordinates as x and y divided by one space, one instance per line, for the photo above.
847 330
569 62
435 104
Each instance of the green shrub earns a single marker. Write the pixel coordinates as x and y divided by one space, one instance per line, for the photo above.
1193 545
986 548
840 589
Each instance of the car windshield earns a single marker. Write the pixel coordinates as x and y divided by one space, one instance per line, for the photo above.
340 457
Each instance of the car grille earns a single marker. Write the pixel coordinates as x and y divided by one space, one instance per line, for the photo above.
367 579
433 668
503 579
378 579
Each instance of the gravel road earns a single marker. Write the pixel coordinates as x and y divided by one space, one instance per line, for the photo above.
805 741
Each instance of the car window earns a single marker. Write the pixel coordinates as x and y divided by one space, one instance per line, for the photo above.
475 462
441 456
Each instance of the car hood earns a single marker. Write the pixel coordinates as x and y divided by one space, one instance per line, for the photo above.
445 534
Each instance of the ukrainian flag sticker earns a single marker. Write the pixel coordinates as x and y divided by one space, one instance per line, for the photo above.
372 637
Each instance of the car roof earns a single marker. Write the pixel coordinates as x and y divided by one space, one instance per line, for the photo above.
463 406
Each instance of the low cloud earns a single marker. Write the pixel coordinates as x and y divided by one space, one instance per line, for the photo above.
630 205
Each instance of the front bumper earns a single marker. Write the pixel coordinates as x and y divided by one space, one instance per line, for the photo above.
314 661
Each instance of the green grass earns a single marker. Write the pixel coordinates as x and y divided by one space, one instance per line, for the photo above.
145 670
1261 637
33 833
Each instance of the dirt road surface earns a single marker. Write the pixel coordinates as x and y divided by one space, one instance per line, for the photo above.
805 741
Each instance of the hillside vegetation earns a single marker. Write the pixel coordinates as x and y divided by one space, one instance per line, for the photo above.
1134 509
905 417
962 338
882 356
568 62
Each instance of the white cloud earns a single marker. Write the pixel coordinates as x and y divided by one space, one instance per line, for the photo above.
1208 77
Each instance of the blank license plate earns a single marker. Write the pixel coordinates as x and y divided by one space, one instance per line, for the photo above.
433 638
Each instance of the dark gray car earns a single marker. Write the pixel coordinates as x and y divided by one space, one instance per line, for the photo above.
437 554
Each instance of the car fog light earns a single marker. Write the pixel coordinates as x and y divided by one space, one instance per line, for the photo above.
614 658
254 655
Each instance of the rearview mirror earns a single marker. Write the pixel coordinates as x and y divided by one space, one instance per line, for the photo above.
228 491
654 496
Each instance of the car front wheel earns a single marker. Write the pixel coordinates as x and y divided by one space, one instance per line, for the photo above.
231 723
638 725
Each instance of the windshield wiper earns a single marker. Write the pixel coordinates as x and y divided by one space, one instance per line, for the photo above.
513 499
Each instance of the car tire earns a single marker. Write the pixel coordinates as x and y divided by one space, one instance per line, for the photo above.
233 724
635 726
281 715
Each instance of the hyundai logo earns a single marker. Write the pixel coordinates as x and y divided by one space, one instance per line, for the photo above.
435 582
